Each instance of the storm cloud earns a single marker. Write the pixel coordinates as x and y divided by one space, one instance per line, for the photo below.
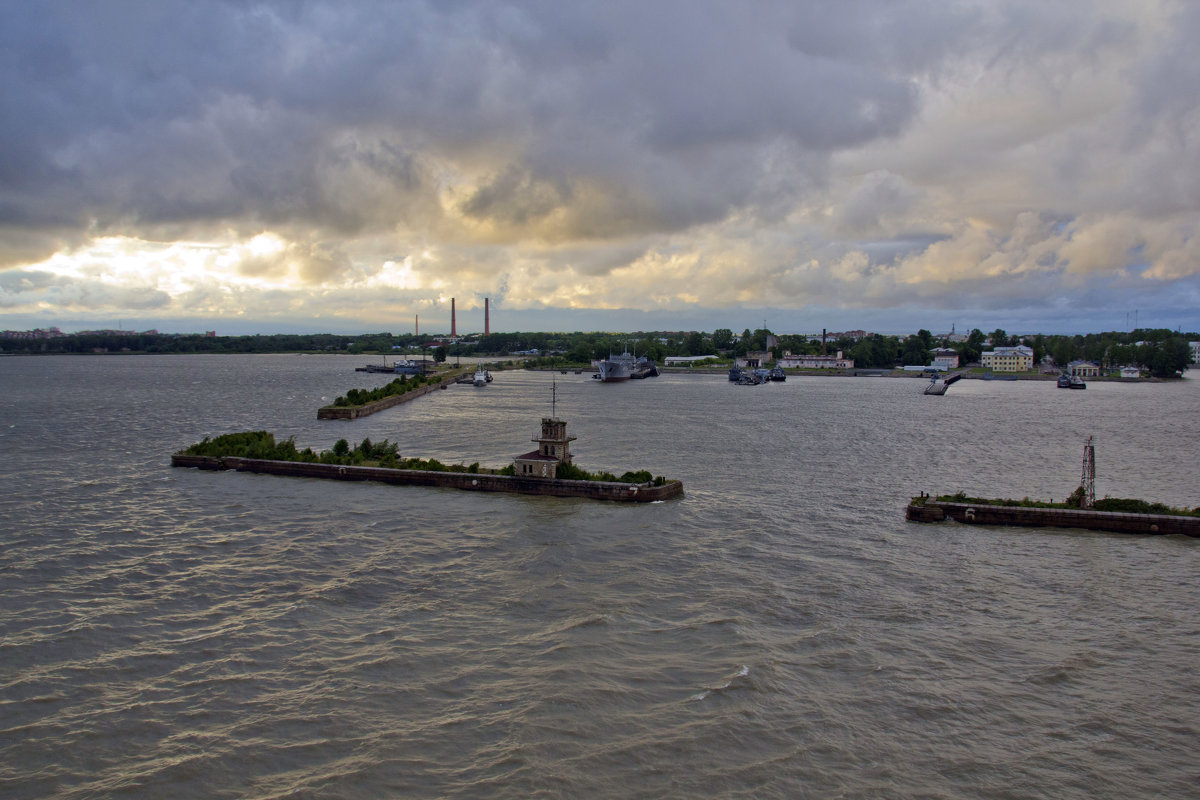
686 159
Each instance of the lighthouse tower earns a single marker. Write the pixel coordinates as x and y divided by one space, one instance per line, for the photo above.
554 441
554 448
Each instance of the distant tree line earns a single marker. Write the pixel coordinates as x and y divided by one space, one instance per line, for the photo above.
1161 352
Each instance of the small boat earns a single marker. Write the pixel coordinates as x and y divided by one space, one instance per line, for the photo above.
482 377
1064 381
777 374
1076 383
735 374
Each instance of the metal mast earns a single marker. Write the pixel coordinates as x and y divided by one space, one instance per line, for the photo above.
1088 481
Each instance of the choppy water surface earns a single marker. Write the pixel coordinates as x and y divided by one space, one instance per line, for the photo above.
779 632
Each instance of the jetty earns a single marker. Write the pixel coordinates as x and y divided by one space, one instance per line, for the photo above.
930 510
1079 512
366 409
468 481
548 470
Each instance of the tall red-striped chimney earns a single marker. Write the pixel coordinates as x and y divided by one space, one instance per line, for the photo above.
487 327
453 329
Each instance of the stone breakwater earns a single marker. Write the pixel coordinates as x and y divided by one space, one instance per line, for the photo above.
354 412
469 481
1110 521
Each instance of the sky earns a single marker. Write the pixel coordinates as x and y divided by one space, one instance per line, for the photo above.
351 166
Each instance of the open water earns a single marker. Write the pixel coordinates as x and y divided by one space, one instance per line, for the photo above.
779 632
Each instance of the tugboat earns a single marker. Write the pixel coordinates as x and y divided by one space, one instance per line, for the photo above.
644 368
482 377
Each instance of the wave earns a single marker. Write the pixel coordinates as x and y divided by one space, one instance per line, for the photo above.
732 682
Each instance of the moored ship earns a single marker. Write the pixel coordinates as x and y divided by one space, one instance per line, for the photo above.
616 368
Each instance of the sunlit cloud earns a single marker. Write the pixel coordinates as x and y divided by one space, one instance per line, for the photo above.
679 161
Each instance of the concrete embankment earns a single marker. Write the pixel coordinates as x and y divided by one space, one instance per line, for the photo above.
1111 521
354 412
594 490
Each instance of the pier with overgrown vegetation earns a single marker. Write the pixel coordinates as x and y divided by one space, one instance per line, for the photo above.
364 402
259 452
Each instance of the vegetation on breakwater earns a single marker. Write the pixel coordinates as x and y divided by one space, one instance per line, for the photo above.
401 385
570 472
1117 504
262 445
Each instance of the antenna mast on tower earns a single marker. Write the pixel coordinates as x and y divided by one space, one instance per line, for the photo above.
1088 481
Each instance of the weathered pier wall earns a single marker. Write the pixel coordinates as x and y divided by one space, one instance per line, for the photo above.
594 490
354 412
1111 521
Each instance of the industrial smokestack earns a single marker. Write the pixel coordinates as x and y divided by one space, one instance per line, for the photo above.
453 329
487 327
822 341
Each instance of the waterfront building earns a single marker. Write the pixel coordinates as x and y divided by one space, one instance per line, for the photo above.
675 361
554 448
816 362
1008 359
755 358
1195 348
945 358
1130 372
1084 369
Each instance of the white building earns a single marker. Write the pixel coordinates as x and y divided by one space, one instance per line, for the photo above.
816 362
1008 359
1195 346
674 361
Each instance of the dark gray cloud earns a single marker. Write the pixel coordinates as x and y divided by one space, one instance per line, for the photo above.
894 152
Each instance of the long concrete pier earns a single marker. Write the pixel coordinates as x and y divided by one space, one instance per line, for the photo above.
1112 521
469 481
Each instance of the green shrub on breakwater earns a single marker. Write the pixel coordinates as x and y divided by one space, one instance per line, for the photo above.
401 385
1125 505
262 445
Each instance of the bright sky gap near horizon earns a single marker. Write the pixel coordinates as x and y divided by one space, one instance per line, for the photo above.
262 167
